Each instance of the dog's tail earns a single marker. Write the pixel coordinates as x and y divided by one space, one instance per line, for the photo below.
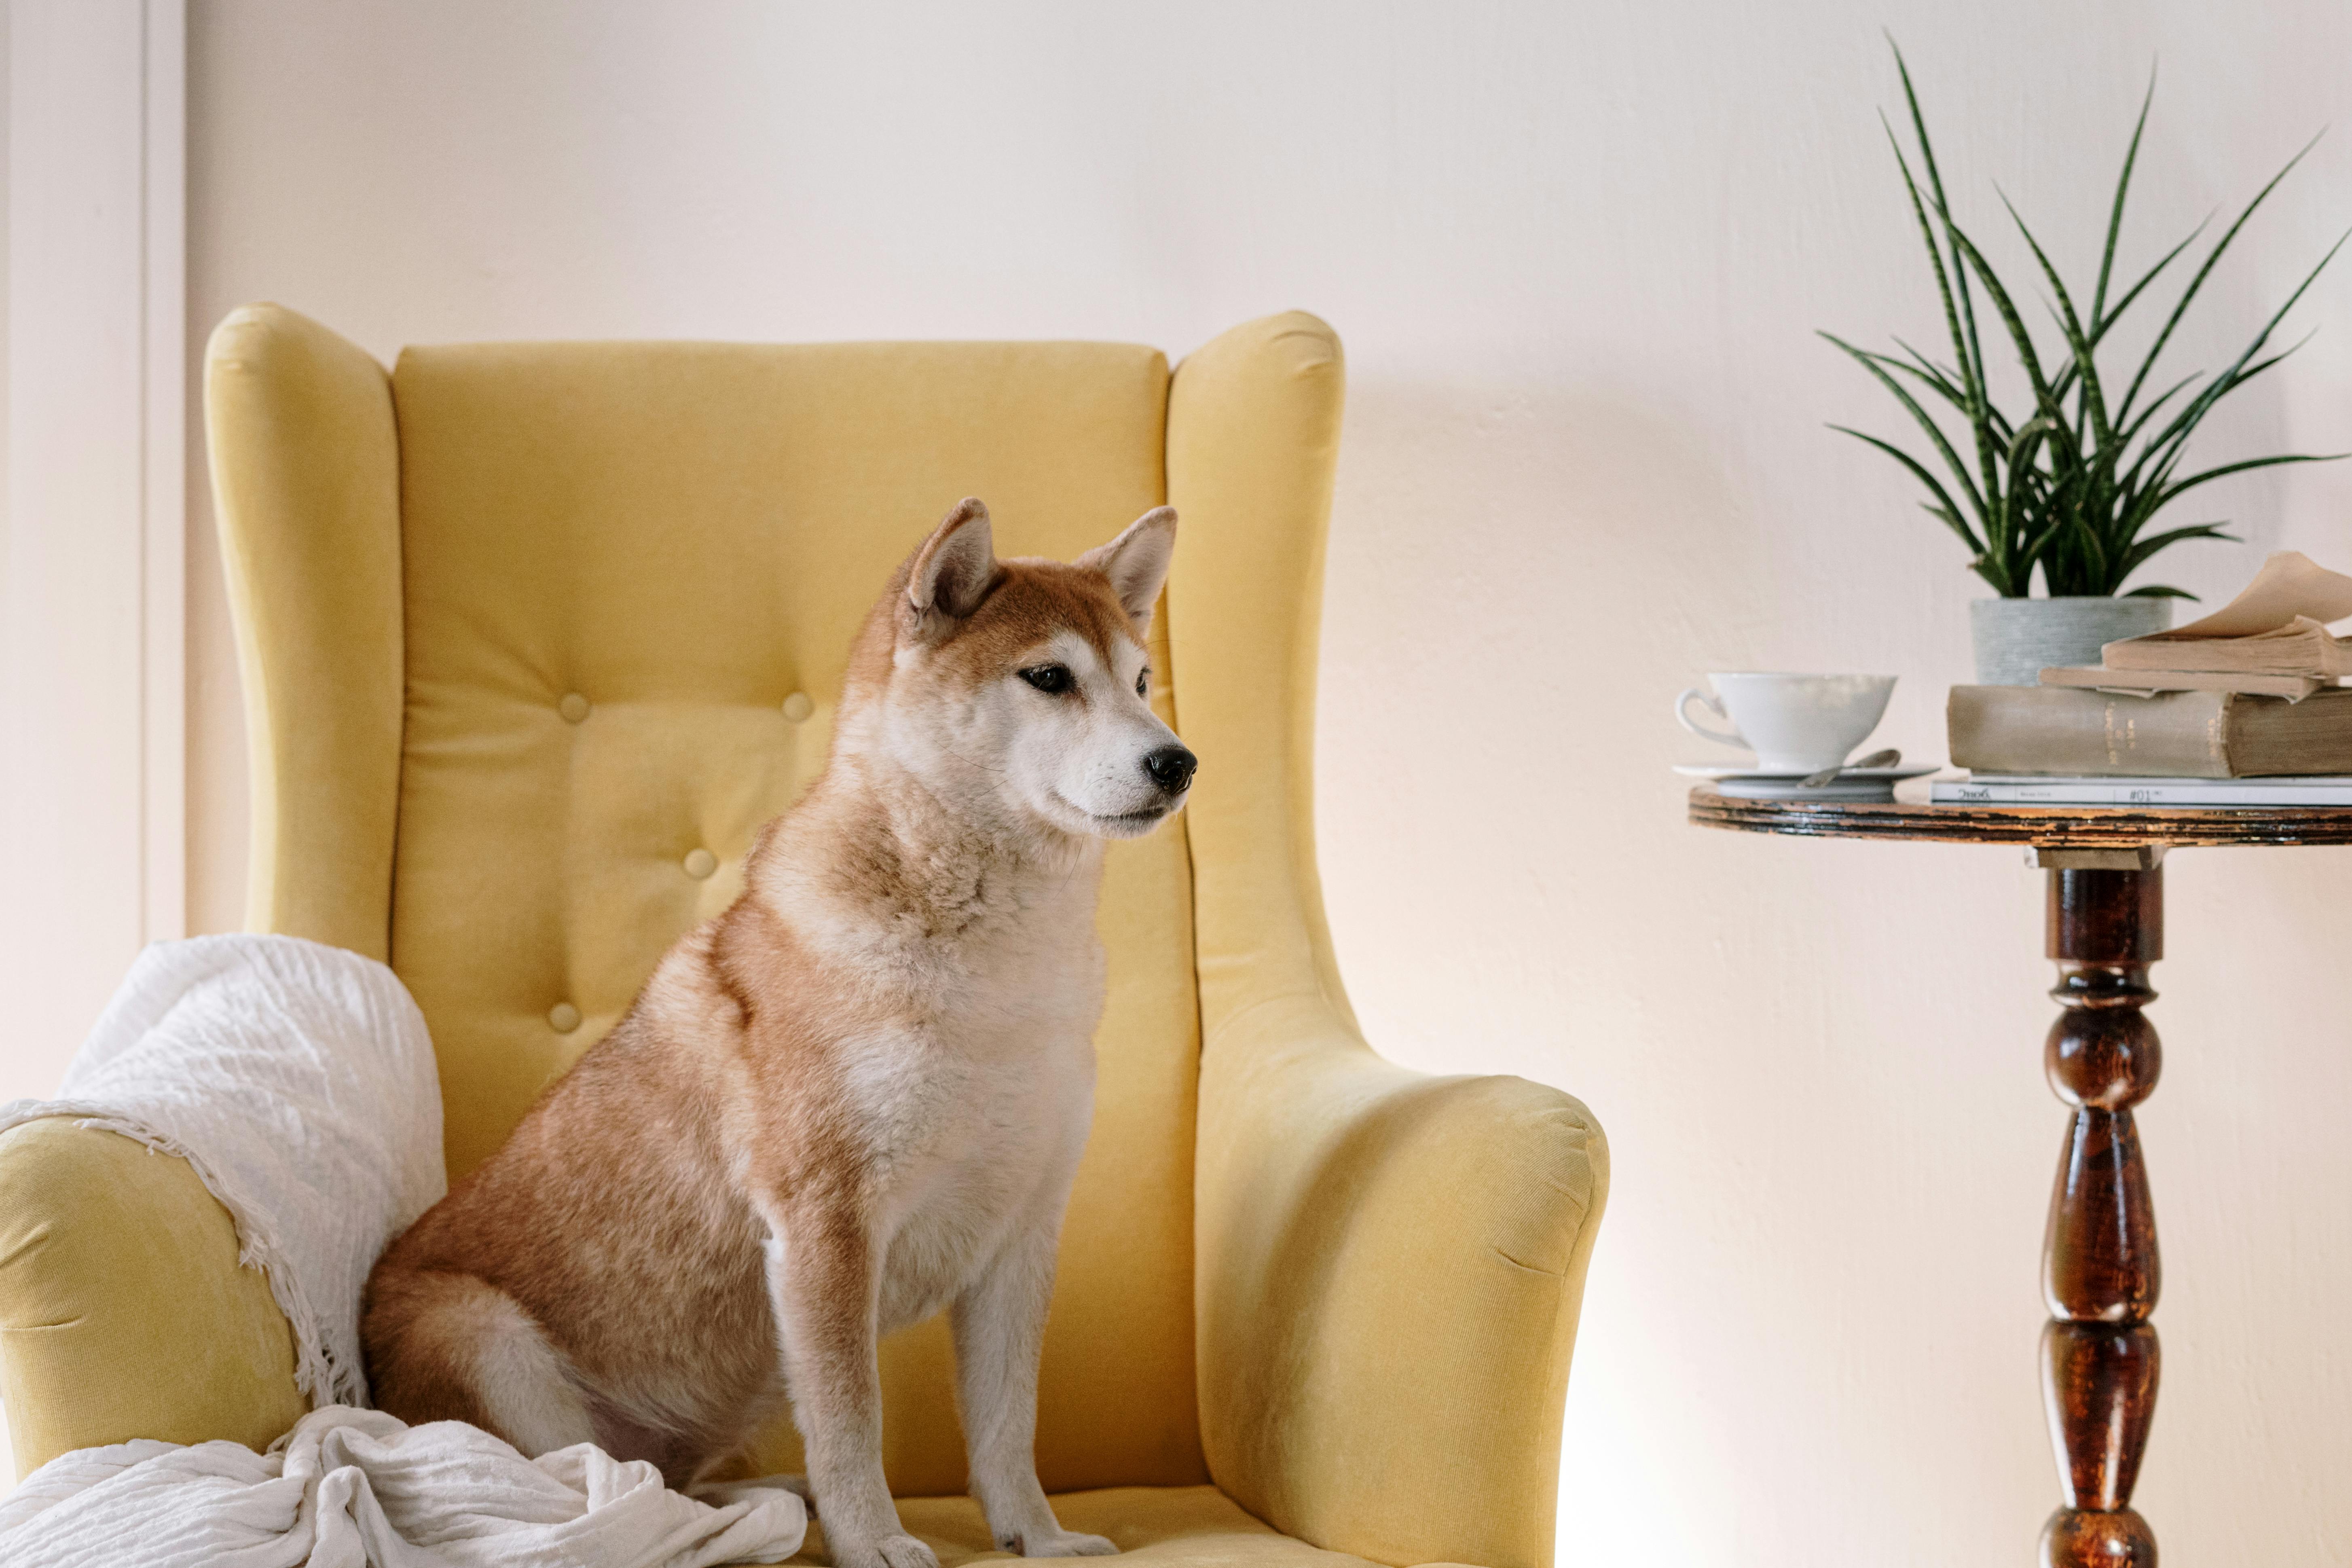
452 1347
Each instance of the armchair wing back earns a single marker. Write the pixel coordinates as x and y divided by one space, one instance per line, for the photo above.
535 636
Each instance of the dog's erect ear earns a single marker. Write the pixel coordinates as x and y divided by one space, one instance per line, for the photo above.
1137 563
956 567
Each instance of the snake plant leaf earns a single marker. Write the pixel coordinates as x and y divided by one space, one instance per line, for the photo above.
2110 318
2092 426
2233 377
1999 579
2161 593
2138 553
1948 511
2116 211
2176 432
2019 337
1924 362
2021 447
2254 370
2139 421
2166 445
1935 431
2077 341
1972 351
1964 348
1934 382
2104 322
2193 480
2140 507
2204 272
1952 520
2086 538
2037 544
1972 373
1924 368
2041 495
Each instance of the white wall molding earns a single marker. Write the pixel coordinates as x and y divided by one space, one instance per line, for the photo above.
92 574
164 473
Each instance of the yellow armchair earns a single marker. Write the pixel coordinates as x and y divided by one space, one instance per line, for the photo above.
533 635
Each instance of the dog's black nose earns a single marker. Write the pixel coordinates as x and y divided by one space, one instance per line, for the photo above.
1171 768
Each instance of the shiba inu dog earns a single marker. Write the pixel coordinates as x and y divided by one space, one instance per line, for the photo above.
854 1099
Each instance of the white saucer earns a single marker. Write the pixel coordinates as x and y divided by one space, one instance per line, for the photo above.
1760 775
1846 789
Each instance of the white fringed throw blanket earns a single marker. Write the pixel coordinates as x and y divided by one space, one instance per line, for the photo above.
298 1080
355 1488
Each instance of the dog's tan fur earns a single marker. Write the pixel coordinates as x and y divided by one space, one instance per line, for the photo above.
854 1099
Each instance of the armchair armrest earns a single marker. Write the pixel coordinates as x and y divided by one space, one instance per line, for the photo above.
123 1310
1390 1267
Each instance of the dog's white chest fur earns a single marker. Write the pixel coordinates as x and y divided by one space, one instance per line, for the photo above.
975 1107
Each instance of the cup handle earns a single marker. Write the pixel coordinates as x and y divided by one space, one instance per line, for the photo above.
1714 705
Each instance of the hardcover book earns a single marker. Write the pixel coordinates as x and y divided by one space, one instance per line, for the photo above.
2173 735
2146 682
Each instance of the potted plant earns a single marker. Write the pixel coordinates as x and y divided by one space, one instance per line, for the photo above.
2071 482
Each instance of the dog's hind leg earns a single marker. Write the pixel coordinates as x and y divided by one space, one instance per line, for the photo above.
451 1347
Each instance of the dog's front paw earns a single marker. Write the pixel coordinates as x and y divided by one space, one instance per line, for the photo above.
1057 1542
890 1551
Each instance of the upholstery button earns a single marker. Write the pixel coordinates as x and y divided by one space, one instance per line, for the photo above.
797 707
700 863
574 708
563 1017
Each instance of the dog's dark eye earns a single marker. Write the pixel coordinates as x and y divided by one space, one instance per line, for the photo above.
1142 679
1049 677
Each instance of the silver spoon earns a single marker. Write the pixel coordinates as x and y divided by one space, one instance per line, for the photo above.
1886 759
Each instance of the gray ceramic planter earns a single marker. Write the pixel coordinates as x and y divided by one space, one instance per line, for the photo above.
2018 639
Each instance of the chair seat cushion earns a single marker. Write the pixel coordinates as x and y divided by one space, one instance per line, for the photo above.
1161 1524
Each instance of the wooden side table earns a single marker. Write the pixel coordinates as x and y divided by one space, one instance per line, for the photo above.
2100 1270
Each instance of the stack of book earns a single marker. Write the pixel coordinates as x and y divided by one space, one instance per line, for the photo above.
2241 709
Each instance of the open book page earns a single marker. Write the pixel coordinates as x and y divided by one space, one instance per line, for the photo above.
2291 586
2278 625
2300 646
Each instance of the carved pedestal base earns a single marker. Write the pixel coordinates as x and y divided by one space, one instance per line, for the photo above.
2100 1269
2107 926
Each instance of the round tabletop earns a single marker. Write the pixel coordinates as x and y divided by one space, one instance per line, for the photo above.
2042 826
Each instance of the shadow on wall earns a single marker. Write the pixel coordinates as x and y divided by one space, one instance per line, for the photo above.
1520 578
1573 496
1581 553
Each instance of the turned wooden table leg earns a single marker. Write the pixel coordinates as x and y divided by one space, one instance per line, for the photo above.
2100 1272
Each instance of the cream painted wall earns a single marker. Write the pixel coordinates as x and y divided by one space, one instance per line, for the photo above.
92 724
1577 253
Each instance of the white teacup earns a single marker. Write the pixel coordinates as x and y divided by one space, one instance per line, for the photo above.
1794 723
